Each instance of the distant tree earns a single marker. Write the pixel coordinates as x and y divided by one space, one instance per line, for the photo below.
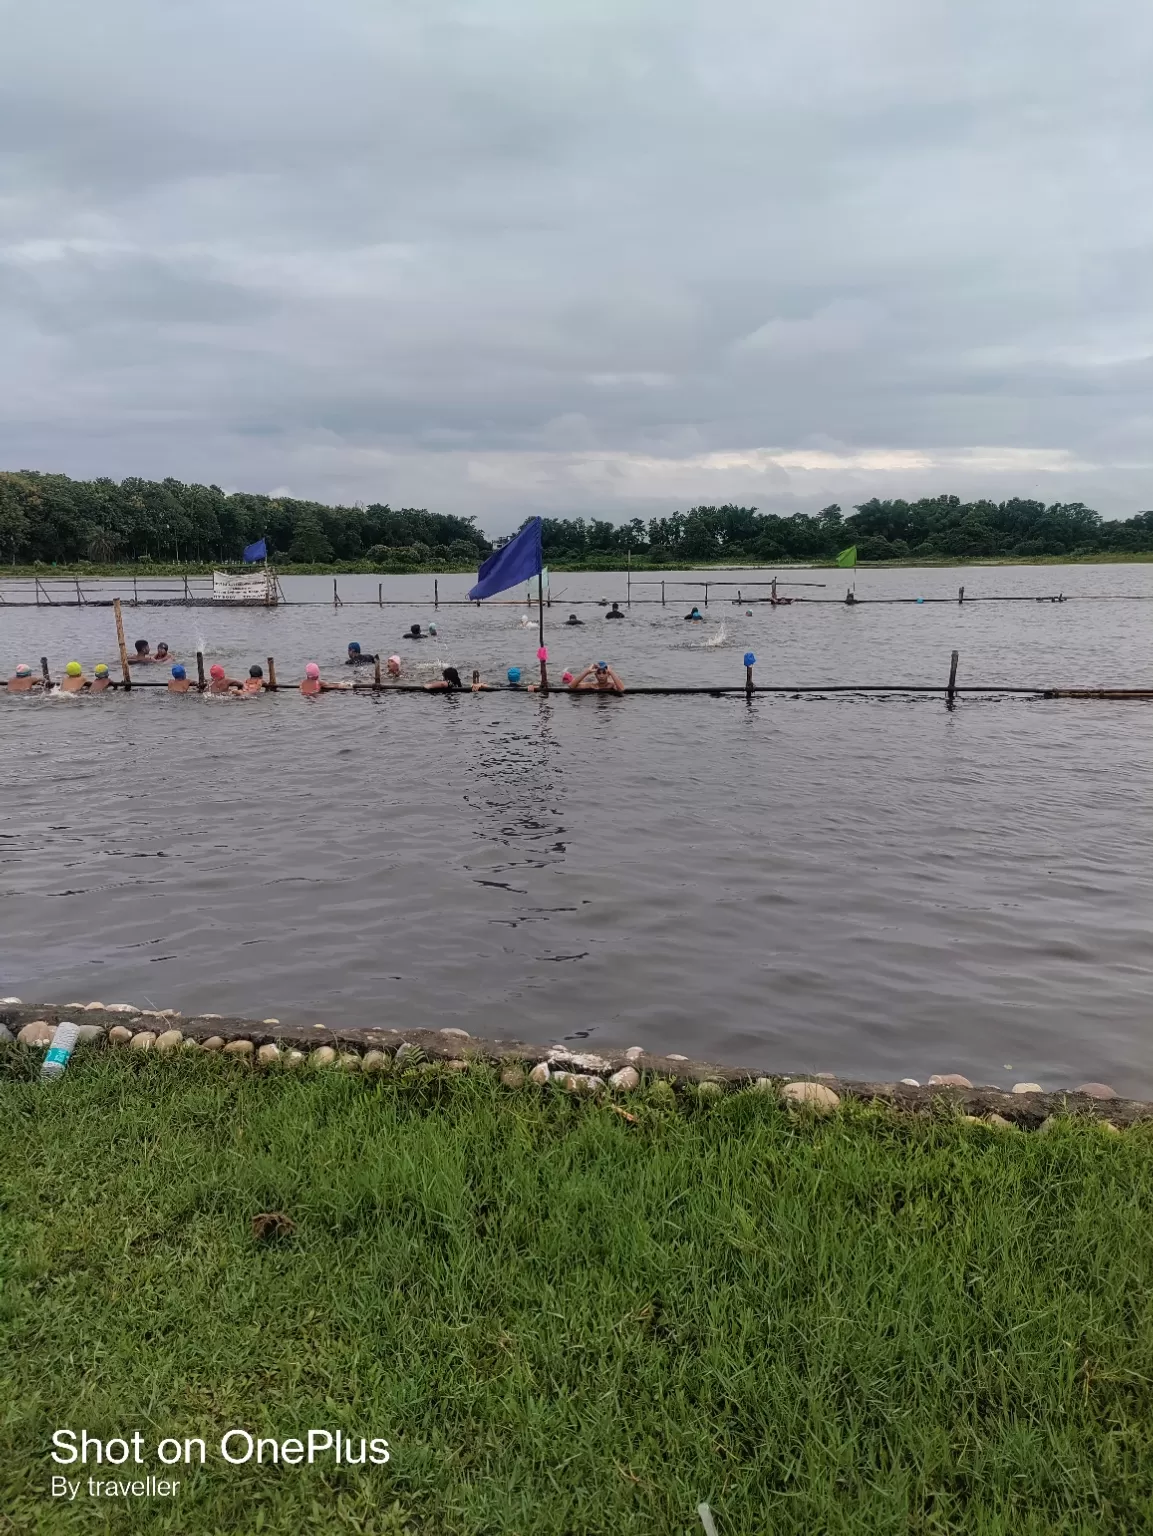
309 545
103 544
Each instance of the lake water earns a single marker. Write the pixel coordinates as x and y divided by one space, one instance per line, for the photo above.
876 888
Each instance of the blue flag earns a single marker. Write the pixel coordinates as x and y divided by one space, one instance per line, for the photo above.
508 567
257 551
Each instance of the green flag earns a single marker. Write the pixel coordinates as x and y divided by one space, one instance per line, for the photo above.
848 556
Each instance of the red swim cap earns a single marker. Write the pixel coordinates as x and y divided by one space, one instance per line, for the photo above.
216 670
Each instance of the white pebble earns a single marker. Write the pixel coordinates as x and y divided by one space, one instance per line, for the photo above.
268 1055
710 1090
88 1032
213 1043
118 1035
910 1082
323 1056
540 1074
949 1080
999 1122
1097 1090
169 1040
144 1041
456 1065
39 1032
677 1058
93 1007
122 1008
625 1080
16 1003
210 1015
1028 1088
764 1085
239 1048
270 1021
634 1053
293 1058
375 1061
350 1061
815 1094
462 1033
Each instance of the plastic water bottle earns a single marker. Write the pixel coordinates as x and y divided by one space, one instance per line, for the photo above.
63 1044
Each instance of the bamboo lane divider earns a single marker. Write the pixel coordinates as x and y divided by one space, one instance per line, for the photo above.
45 672
272 684
803 690
120 641
376 672
200 671
951 695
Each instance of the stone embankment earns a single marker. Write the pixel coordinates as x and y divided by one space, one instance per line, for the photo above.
267 1043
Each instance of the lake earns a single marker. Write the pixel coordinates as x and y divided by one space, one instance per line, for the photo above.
873 887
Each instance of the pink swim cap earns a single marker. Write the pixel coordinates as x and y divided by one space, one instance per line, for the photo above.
216 670
312 670
566 677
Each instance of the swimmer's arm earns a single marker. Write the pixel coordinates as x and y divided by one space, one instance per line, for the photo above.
577 681
615 681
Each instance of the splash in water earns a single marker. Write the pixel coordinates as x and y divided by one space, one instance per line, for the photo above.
718 639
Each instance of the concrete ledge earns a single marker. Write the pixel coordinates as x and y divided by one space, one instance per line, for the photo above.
1028 1111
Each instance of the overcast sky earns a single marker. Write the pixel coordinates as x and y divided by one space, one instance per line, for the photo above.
601 256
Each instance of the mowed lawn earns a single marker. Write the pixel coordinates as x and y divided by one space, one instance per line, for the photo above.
563 1320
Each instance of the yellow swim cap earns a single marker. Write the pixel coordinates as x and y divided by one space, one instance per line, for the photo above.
101 669
74 669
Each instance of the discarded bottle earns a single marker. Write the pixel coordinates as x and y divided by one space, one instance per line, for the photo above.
63 1044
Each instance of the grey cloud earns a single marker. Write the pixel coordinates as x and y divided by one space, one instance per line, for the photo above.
448 254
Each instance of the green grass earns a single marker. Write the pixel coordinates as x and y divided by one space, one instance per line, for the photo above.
564 1322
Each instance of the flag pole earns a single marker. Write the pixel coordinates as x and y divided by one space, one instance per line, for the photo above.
540 610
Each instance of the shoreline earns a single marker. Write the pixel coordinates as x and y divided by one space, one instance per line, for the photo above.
613 1069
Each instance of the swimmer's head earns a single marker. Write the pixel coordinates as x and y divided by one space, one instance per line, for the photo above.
601 666
311 670
452 677
162 648
353 648
142 647
566 678
514 674
393 665
101 669
255 671
432 629
23 670
74 669
216 671
414 629
178 672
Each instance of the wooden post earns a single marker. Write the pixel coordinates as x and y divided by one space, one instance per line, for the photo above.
629 582
79 597
540 630
336 603
662 594
749 685
135 595
950 697
36 589
380 594
200 670
271 684
376 672
186 589
960 594
120 640
774 589
706 594
435 593
44 671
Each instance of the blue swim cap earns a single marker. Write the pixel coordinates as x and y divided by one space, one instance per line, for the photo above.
514 674
353 645
178 671
601 666
750 659
920 599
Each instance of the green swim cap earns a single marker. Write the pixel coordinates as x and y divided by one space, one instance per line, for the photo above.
101 669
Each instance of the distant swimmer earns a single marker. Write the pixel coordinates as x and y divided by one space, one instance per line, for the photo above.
100 679
615 612
572 619
143 654
525 622
599 678
449 679
178 683
221 682
850 598
602 602
393 666
22 680
696 617
312 682
74 679
254 682
432 629
415 633
357 657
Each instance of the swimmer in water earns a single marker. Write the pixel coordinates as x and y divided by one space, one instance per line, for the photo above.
514 681
74 679
615 612
178 683
356 657
448 681
163 653
22 680
696 617
312 682
254 682
525 622
572 620
414 633
432 629
221 682
393 666
101 682
143 654
598 678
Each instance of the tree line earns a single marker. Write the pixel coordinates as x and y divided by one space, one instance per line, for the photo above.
51 519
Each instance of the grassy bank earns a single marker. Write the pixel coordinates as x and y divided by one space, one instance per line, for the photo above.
565 1321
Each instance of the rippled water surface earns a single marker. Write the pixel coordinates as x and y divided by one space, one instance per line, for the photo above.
877 888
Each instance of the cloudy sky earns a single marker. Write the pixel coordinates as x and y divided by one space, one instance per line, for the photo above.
600 256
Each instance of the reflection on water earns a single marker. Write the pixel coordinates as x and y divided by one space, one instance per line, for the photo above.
880 889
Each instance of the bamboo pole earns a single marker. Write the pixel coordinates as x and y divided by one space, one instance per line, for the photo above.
120 640
271 684
44 672
380 594
435 593
200 670
376 672
951 695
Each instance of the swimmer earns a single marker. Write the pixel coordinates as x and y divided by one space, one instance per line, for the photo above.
449 680
414 633
615 612
696 617
515 682
572 620
101 682
74 679
178 683
393 666
602 602
525 622
221 682
599 678
254 682
163 653
22 680
312 682
432 629
567 678
143 654
356 657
